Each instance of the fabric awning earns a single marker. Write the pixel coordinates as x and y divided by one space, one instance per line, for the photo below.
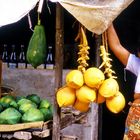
95 15
13 10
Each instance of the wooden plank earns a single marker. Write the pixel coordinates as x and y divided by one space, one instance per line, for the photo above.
70 119
59 43
22 126
67 137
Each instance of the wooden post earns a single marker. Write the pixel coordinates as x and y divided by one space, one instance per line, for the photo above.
92 126
97 50
97 63
59 43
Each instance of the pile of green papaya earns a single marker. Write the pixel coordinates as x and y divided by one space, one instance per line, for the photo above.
23 109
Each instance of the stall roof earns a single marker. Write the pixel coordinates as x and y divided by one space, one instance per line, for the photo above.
99 13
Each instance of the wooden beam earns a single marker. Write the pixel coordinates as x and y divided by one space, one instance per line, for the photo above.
70 119
59 43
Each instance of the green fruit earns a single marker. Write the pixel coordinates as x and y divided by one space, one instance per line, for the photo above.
19 98
22 101
51 108
26 106
6 100
48 113
34 98
36 52
13 104
44 103
10 116
32 115
1 108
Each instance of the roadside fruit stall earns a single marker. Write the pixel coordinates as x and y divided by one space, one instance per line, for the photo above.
30 116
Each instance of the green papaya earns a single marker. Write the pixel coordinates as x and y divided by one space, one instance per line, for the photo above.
1 108
34 98
10 116
26 106
23 101
13 104
36 52
19 98
6 100
44 103
47 112
32 115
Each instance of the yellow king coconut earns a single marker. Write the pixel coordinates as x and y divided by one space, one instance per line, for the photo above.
100 99
116 103
65 96
93 77
81 106
74 79
86 94
109 88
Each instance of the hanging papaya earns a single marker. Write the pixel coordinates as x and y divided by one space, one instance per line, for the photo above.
36 52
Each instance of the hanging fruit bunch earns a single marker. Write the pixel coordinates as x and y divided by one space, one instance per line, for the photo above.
81 83
109 89
90 84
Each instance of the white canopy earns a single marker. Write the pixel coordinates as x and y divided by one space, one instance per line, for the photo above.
95 15
13 10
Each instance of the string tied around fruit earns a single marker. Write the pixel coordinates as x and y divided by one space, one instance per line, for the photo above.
83 49
106 60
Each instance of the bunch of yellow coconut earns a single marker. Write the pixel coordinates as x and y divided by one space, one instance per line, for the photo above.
84 86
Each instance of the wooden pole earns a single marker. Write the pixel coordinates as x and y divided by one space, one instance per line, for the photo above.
98 41
92 129
59 43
